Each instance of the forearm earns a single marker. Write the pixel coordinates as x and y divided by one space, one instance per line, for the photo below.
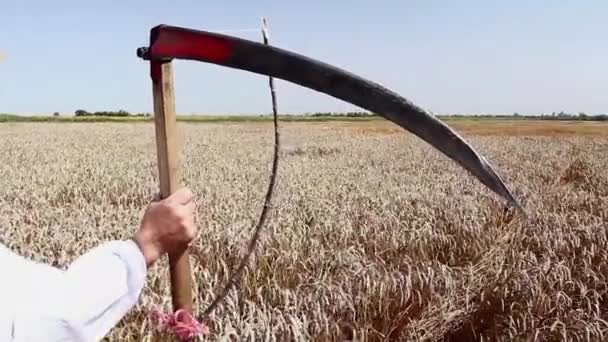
86 300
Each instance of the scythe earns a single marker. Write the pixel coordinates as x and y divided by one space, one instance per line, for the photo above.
170 42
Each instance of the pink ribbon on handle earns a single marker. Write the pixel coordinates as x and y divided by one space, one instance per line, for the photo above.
180 323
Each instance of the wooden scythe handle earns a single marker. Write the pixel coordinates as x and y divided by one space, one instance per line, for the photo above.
168 153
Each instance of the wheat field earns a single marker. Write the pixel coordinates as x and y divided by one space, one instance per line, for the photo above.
373 235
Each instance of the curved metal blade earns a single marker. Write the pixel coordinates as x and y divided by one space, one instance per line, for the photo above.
170 42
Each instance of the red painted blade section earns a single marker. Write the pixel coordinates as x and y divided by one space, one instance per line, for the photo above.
175 42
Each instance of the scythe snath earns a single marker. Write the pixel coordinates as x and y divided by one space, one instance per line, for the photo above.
171 42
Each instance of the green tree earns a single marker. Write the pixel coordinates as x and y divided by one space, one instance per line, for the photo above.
81 112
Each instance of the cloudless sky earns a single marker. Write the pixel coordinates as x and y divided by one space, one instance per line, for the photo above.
447 56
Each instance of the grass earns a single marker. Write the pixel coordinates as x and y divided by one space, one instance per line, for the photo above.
532 128
182 118
373 235
42 118
367 125
476 127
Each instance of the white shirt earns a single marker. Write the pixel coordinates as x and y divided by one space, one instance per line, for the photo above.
42 303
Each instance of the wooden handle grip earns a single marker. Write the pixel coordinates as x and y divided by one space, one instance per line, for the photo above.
168 148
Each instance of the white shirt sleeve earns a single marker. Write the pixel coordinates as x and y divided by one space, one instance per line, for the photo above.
42 303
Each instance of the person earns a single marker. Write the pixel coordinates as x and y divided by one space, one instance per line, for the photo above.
39 302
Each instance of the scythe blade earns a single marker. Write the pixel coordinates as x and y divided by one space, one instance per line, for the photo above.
170 42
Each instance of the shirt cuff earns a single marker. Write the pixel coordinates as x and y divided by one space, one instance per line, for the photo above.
134 258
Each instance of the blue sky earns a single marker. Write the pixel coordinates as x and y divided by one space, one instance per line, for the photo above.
447 56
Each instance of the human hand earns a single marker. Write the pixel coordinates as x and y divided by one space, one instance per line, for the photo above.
167 226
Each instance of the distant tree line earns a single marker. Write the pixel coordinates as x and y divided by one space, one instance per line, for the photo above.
119 113
347 114
562 116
